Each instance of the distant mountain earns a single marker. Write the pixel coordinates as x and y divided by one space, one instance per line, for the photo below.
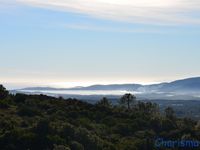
185 85
180 89
127 87
93 87
39 88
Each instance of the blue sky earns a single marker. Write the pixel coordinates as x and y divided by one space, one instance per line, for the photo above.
69 43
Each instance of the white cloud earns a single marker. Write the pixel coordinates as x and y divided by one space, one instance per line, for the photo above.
94 27
136 11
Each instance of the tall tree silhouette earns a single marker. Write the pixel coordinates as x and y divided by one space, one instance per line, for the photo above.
3 92
104 102
169 113
128 99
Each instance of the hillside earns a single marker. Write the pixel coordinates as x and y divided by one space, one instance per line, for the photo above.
39 122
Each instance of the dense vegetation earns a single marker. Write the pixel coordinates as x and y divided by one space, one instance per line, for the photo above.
182 108
39 122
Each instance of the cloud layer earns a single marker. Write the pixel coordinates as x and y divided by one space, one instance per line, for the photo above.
136 11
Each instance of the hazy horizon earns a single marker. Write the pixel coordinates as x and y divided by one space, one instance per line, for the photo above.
12 86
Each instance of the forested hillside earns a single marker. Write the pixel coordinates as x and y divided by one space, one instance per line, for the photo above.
39 122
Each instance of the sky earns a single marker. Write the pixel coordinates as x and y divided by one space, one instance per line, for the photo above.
66 43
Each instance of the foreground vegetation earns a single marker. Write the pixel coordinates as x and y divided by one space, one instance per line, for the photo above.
39 122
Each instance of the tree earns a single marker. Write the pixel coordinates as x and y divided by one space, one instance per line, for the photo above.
148 108
128 99
3 92
104 102
20 98
198 125
169 113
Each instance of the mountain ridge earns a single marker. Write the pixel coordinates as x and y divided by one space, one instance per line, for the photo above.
188 84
